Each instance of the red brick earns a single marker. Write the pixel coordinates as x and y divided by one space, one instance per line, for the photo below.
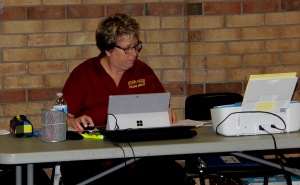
174 88
298 86
28 108
269 59
1 112
283 69
245 83
62 2
12 13
43 94
239 74
194 9
254 6
62 25
55 80
13 41
22 3
296 96
47 67
26 54
25 27
85 11
164 9
15 68
46 12
11 96
235 87
55 39
62 53
207 48
23 82
222 8
194 89
130 9
283 45
290 5
246 47
195 36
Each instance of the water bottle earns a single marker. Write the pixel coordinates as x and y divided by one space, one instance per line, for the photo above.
60 103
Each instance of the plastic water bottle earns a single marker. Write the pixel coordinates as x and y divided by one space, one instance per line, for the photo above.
60 103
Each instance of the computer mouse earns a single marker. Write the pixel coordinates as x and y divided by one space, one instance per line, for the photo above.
72 135
89 127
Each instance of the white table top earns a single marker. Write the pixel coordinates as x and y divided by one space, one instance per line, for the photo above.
34 150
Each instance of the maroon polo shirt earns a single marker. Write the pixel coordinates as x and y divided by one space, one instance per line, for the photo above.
88 87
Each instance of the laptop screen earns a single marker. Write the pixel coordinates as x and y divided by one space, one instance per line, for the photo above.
138 111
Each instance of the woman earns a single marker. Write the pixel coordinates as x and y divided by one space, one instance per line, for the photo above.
112 73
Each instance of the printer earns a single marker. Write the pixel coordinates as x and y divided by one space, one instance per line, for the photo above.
266 108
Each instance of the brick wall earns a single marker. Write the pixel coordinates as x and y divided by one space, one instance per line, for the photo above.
194 46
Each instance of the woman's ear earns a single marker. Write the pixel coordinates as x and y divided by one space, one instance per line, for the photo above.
108 53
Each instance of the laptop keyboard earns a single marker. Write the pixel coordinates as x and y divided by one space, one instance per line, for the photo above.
149 134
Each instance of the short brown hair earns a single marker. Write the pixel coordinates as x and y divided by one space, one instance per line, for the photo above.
111 29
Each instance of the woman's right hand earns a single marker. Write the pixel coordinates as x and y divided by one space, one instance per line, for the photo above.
75 122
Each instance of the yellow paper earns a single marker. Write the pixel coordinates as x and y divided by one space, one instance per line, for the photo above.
272 76
264 106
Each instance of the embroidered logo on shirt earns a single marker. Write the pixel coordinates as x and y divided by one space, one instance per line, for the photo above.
136 83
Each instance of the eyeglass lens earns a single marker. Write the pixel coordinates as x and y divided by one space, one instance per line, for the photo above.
136 48
128 50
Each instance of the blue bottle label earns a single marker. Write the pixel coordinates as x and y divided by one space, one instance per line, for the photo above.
63 108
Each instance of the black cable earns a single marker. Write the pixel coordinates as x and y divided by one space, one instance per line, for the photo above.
244 112
124 156
116 124
278 157
275 147
116 144
134 158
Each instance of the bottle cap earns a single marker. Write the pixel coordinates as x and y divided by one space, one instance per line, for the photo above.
59 94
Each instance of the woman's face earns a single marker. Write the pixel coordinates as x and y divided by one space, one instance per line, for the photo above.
123 55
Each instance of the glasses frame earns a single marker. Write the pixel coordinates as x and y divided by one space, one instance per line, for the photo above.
129 50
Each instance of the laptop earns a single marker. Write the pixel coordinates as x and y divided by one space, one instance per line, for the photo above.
138 111
142 117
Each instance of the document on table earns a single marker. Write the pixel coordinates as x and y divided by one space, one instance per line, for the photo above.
4 132
192 123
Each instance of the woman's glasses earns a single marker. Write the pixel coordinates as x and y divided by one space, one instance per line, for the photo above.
128 50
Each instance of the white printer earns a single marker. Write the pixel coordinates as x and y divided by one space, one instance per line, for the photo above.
266 108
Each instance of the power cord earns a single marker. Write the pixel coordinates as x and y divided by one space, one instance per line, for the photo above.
248 112
117 144
116 123
280 158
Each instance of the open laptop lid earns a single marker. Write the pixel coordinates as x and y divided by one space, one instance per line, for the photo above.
138 111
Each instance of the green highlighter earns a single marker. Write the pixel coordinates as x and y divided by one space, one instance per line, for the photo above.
92 135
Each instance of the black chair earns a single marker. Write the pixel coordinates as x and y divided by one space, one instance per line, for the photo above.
197 107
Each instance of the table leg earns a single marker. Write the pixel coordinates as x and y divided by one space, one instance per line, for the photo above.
30 174
18 175
108 171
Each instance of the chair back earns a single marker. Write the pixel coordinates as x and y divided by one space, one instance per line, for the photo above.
197 107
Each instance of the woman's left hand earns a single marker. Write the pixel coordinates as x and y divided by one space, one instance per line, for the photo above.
172 116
